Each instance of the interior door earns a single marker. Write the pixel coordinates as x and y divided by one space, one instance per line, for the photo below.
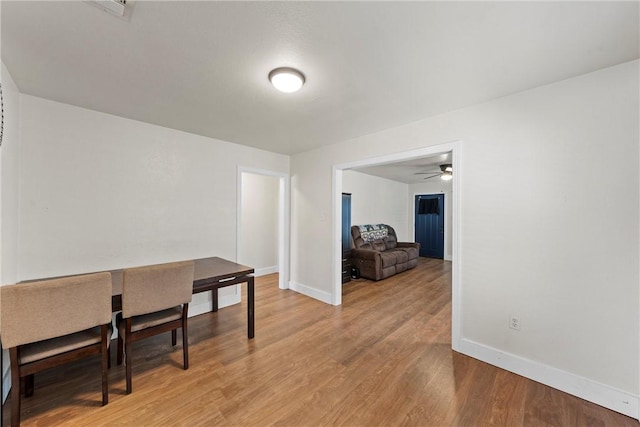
346 221
429 224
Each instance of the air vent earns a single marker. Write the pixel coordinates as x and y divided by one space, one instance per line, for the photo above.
117 7
121 9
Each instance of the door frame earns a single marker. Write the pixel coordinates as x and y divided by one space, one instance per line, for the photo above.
283 219
446 194
455 147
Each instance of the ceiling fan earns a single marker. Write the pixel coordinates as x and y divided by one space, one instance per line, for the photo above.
446 172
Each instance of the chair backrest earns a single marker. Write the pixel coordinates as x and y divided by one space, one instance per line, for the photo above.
156 287
46 309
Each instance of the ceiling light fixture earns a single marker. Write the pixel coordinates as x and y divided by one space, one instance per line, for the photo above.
286 79
447 172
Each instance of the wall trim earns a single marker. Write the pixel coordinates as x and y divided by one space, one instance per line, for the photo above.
265 270
311 292
601 394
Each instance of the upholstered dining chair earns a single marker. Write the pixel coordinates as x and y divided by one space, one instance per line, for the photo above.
155 299
47 323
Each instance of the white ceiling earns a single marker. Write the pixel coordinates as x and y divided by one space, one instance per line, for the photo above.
202 66
410 171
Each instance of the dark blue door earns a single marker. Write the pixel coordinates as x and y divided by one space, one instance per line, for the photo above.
346 221
429 214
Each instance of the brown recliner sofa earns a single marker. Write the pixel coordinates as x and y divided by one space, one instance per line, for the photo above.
378 254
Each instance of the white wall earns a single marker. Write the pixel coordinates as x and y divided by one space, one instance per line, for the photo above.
9 167
101 192
9 191
258 233
436 186
546 233
376 200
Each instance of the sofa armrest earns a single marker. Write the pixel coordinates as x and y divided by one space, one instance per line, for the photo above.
408 245
364 254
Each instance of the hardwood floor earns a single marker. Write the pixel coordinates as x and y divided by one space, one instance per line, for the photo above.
383 358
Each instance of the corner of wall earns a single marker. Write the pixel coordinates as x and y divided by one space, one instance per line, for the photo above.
314 293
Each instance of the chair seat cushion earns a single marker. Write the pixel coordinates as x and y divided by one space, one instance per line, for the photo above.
42 349
152 319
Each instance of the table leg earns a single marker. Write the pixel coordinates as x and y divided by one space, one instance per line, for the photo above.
214 299
250 306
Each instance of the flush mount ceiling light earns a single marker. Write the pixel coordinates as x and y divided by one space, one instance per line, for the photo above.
286 79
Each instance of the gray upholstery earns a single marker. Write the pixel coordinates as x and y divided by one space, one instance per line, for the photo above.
155 300
45 309
150 320
154 288
54 346
48 323
382 257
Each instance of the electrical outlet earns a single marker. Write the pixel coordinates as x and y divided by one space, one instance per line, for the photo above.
514 322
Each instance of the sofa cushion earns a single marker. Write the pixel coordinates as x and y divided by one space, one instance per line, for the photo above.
412 253
401 266
388 259
390 241
378 245
401 256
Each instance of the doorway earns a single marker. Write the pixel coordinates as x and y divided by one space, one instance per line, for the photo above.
455 148
429 224
251 186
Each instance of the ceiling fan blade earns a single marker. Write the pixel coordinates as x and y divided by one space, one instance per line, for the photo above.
432 176
427 173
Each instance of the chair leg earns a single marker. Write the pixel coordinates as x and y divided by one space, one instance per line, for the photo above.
127 353
174 337
185 337
15 388
105 365
120 346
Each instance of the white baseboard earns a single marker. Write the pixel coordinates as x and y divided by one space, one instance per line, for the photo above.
448 257
601 394
311 292
265 270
